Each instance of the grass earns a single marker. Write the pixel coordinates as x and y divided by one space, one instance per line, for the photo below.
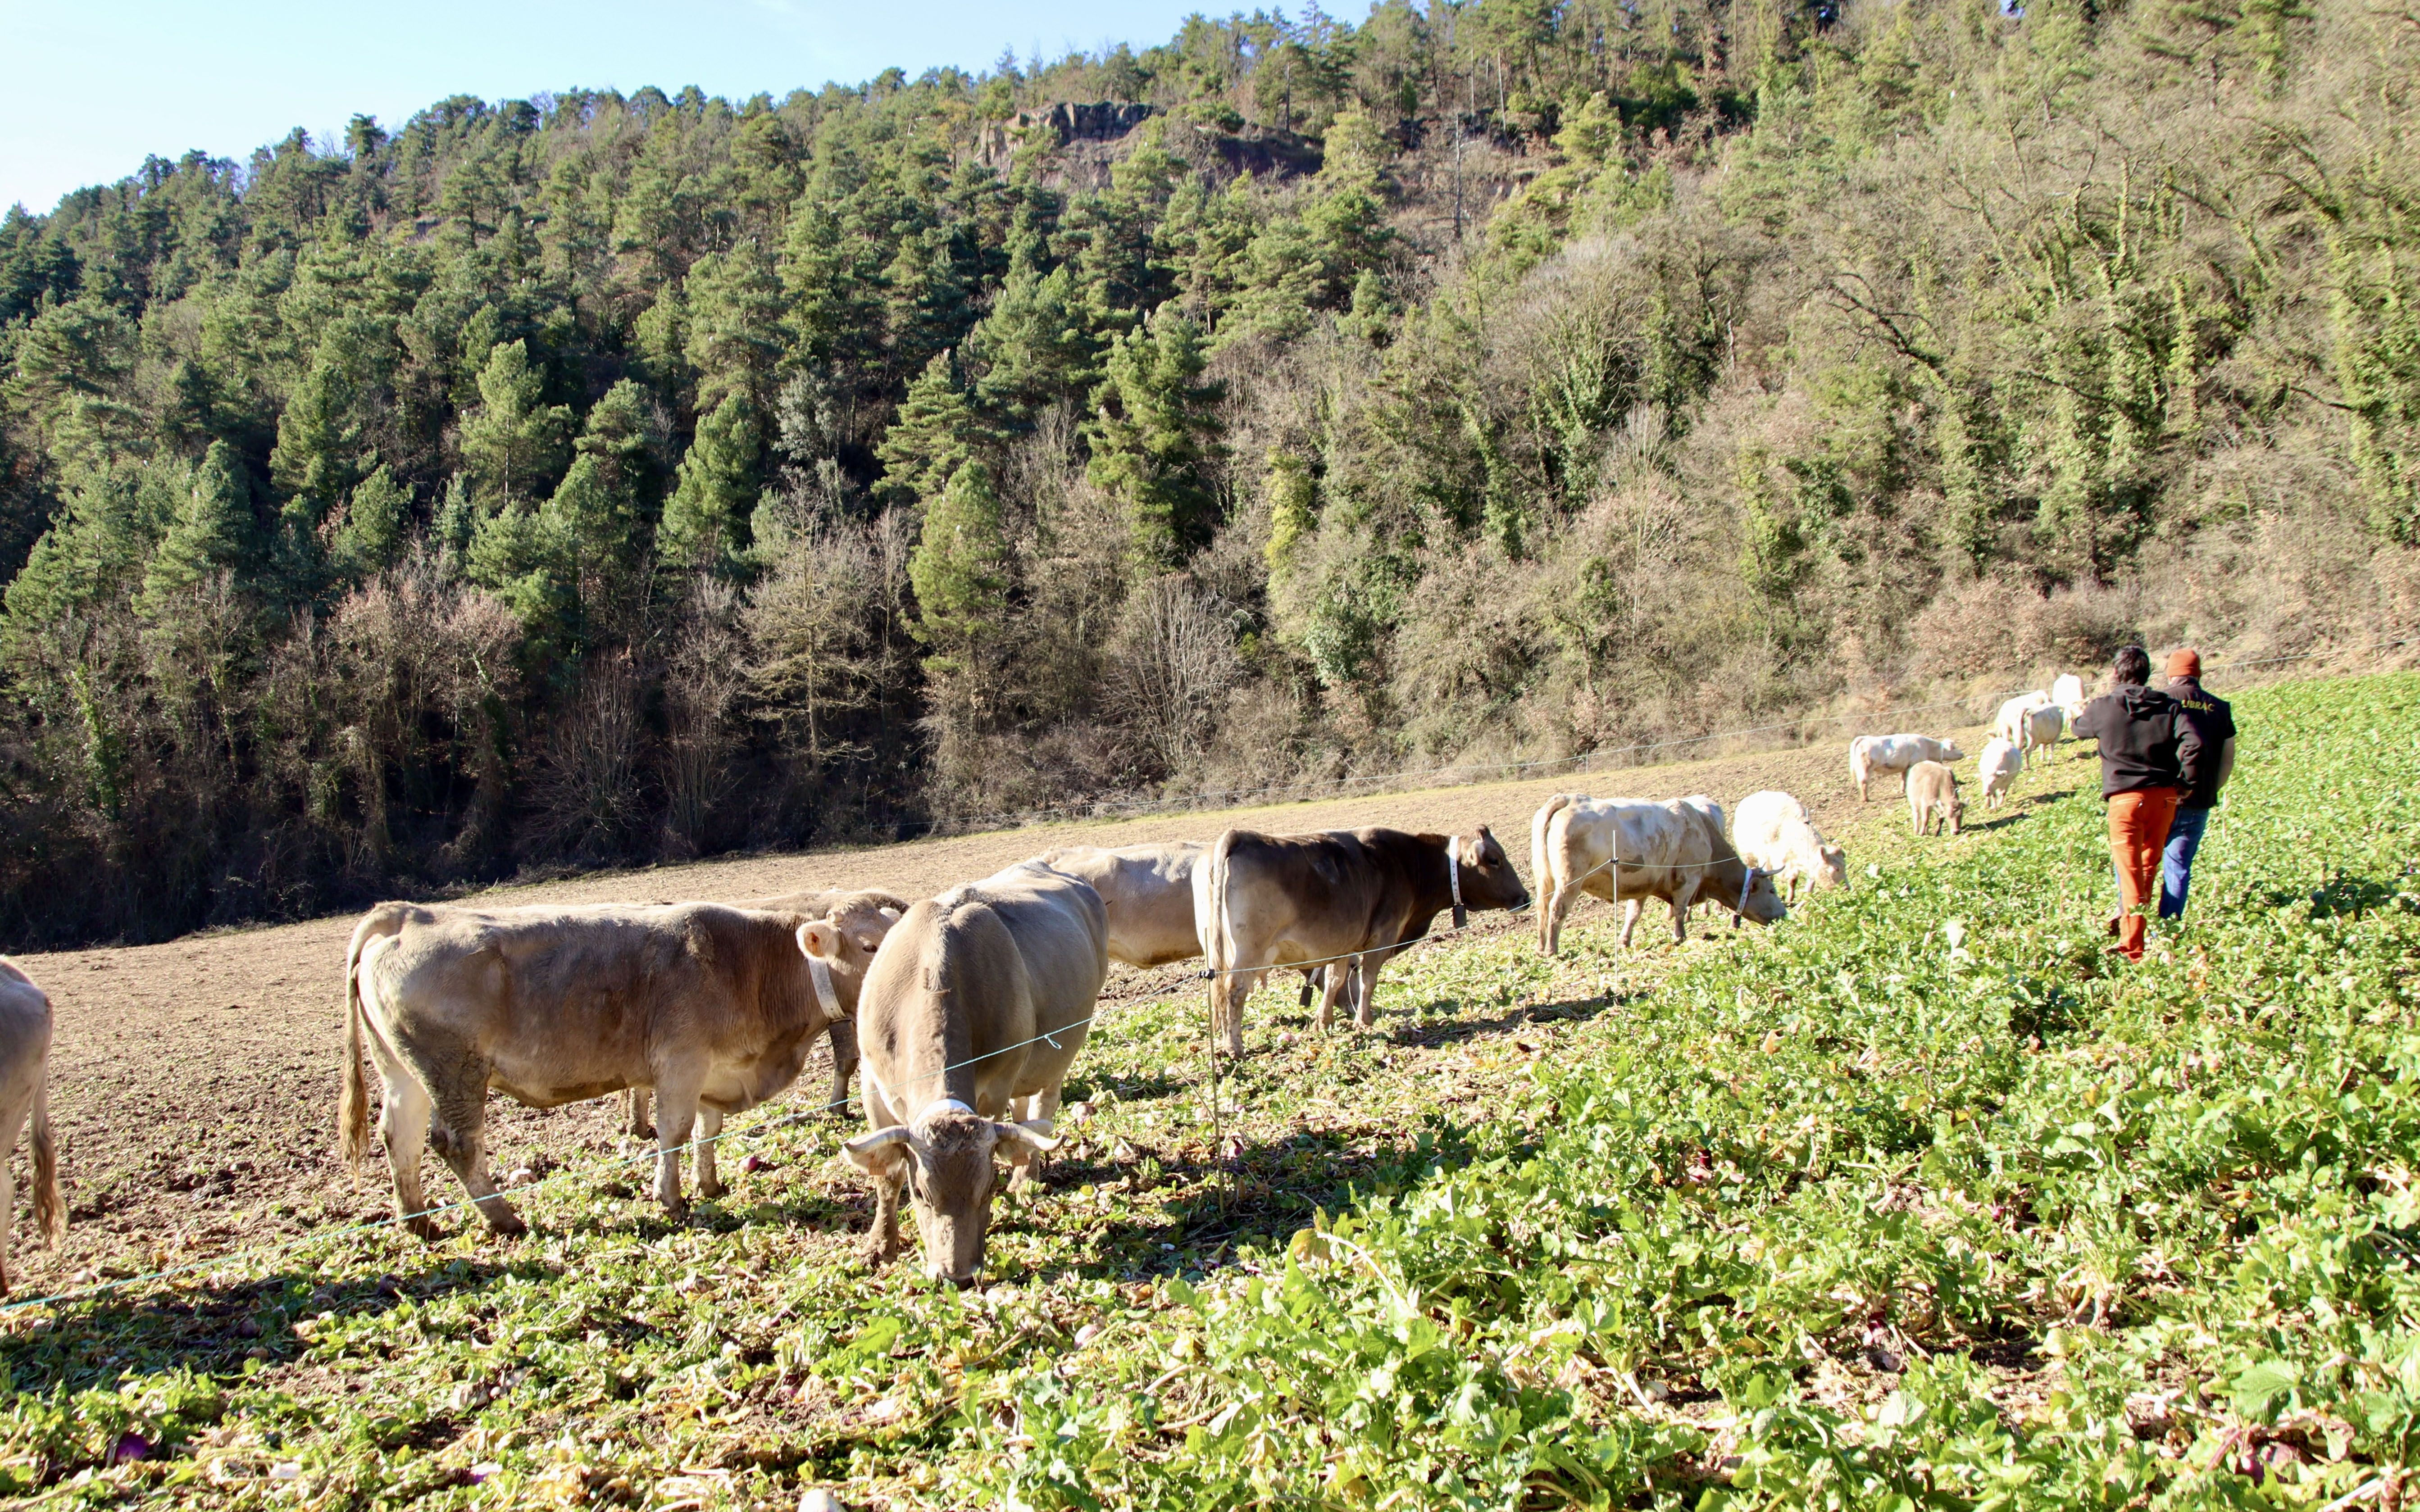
1914 1201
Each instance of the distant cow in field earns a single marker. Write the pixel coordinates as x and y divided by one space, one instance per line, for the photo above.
25 1093
1932 798
2009 723
1269 901
1628 849
970 1019
1772 834
713 1008
1998 768
2041 729
1872 754
2066 691
842 1036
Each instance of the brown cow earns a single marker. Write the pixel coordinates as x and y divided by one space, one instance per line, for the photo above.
971 1014
1932 798
25 1091
1628 849
1267 901
714 1008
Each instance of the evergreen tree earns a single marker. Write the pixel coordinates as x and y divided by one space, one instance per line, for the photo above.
1155 436
211 534
513 444
714 491
938 431
959 570
372 535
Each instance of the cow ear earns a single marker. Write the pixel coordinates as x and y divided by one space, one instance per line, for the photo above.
821 937
889 913
879 1153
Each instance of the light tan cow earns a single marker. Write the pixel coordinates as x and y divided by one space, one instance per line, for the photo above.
972 1013
713 1008
842 1036
1772 834
1932 798
25 1093
1869 755
1148 891
2042 729
2009 723
1628 849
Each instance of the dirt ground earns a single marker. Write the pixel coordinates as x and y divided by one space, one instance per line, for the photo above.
194 1082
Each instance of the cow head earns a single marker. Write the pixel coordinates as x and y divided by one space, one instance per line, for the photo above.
950 1162
1834 869
1954 811
1950 751
1488 880
845 942
1762 902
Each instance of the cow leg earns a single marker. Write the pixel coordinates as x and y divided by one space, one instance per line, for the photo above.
635 1121
1337 977
675 1124
1630 910
842 1037
463 1120
1024 1165
11 1121
1550 922
1365 987
404 1109
1228 994
709 1133
1683 898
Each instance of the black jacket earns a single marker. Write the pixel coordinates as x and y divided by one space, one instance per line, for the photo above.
2143 737
2212 725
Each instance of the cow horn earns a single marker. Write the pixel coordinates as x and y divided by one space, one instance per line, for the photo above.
861 1152
1036 1140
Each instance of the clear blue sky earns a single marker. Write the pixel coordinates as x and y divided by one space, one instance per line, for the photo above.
88 86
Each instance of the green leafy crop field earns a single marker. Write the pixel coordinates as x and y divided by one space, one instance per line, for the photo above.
1917 1200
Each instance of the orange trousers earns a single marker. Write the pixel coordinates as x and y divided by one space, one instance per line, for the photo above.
2138 830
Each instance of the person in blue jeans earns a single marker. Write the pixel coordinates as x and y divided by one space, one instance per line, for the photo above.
2214 722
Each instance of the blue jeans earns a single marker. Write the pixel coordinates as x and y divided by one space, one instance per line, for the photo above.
2176 862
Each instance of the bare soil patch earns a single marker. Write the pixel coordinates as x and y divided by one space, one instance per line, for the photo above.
194 1082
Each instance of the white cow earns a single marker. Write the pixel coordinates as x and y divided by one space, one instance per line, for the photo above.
2042 729
2066 691
1998 768
25 1091
1871 754
1628 849
1774 835
2009 723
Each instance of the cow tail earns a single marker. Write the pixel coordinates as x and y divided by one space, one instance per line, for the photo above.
353 1104
50 1211
1219 940
1542 862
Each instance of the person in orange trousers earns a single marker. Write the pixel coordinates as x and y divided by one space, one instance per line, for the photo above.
2151 756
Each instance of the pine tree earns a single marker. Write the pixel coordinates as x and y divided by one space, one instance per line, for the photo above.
211 534
733 337
959 570
714 491
1155 436
937 431
371 538
513 444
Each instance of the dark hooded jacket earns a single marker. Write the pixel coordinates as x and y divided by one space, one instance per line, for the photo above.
2146 741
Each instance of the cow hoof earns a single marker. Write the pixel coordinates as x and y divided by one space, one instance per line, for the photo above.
508 1225
421 1227
676 1211
711 1189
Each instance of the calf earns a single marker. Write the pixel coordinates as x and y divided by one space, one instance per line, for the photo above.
2042 729
970 1018
1269 901
1628 849
1998 768
25 1091
1932 797
713 1008
1871 754
1772 834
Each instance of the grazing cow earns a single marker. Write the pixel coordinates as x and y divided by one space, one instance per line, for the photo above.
970 1019
1870 754
842 1036
1932 797
25 1091
1148 891
1772 834
1628 849
1998 768
2066 691
2040 729
713 1008
1269 901
2009 723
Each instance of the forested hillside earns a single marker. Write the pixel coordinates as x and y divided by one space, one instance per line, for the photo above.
596 478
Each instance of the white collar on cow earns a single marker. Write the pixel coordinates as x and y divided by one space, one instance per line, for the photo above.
1453 879
824 993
